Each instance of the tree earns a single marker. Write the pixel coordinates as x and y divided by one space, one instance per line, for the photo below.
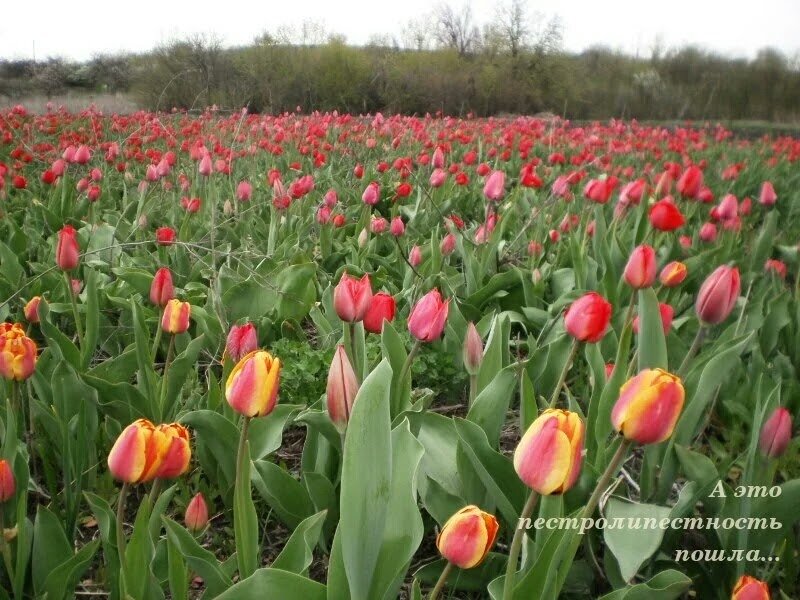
455 28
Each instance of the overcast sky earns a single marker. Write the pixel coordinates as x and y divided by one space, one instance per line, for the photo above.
81 29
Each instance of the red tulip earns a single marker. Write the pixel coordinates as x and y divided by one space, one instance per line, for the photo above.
341 390
778 267
351 298
162 290
196 517
708 232
244 191
587 317
415 256
718 294
776 433
750 588
666 313
428 317
241 340
690 182
640 272
8 485
371 194
397 227
665 216
165 236
31 309
67 249
381 308
448 244
767 197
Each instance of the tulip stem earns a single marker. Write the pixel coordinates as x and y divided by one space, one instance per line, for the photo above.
698 340
405 258
73 301
157 339
6 550
516 546
441 581
473 389
563 377
164 384
410 359
123 494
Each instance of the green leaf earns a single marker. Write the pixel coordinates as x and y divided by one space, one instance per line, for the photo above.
179 370
63 579
633 546
219 435
651 343
490 407
285 494
298 553
200 560
92 317
245 520
667 585
290 585
495 355
50 547
266 433
176 568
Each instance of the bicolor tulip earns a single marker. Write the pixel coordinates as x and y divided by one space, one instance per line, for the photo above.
176 316
161 289
587 318
351 298
648 406
381 308
776 433
750 588
673 274
196 516
18 353
252 386
718 295
241 340
640 272
428 317
144 452
467 537
31 309
472 351
341 389
8 485
549 456
67 249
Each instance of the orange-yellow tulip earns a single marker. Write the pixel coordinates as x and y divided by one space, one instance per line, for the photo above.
549 456
648 407
144 452
17 353
176 316
467 537
252 386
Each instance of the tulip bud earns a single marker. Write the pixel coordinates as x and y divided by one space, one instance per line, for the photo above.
241 340
162 290
665 216
8 485
673 274
363 238
467 537
750 588
252 386
397 228
176 316
371 194
415 256
381 308
708 232
690 182
549 456
165 236
196 517
648 406
205 167
587 318
227 208
494 188
142 221
341 390
640 272
67 249
778 267
448 244
428 317
378 225
767 197
31 309
352 297
472 351
718 295
144 452
244 191
776 434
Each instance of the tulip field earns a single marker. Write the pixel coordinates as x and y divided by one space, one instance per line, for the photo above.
331 356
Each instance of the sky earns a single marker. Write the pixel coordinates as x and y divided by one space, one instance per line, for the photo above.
82 29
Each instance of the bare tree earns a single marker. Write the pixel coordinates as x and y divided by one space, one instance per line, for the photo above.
417 34
455 28
513 22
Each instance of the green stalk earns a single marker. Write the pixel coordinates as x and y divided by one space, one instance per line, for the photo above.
441 581
157 339
516 546
410 359
71 294
123 493
167 363
698 341
563 377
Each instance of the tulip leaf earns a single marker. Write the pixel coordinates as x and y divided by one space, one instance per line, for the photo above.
178 372
764 243
667 585
61 580
632 546
394 351
177 576
285 494
490 407
245 519
50 547
298 552
266 433
57 341
288 586
651 343
92 317
200 560
219 435
495 355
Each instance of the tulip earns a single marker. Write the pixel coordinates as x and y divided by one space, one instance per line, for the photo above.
161 289
244 191
665 216
205 166
371 194
776 433
648 406
18 355
549 456
640 272
363 238
351 298
415 256
252 386
750 588
82 155
381 308
666 313
165 236
599 190
397 227
438 158
196 517
8 485
708 232
767 197
67 249
472 350
494 188
341 389
448 244
587 318
241 340
673 274
144 452
378 225
176 316
690 182
428 317
778 267
729 208
438 177
718 295
467 537
31 309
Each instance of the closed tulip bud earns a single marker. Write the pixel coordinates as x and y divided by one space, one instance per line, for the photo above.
728 208
205 167
371 194
252 386
144 452
438 177
549 456
83 155
397 227
244 191
587 318
8 486
142 221
718 295
750 588
241 340
776 434
640 272
18 353
381 308
778 267
196 517
665 216
415 256
363 238
341 389
165 236
162 290
448 244
708 232
494 188
438 158
32 309
467 537
428 317
690 182
378 225
472 352
67 249
767 197
352 297
227 208
176 316
648 406
77 286
673 274
666 312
